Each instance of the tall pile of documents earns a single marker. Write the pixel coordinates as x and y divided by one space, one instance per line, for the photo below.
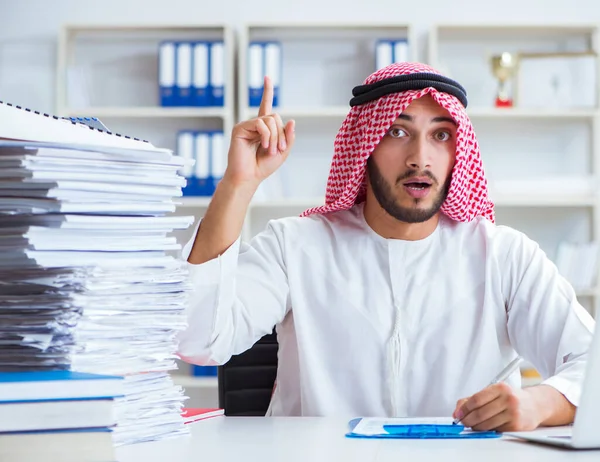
90 279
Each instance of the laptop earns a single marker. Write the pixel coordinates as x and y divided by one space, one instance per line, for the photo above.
585 431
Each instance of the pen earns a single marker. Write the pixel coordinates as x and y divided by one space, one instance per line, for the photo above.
502 375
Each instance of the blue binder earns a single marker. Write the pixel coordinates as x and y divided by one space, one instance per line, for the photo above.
183 74
401 51
218 158
200 74
196 144
424 431
264 58
185 149
166 73
390 51
204 371
217 74
255 73
272 63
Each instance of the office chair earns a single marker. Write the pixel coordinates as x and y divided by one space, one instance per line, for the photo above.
246 381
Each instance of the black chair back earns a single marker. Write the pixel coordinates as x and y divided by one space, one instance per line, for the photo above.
246 381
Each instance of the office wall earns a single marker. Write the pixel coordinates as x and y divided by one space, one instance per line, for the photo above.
29 27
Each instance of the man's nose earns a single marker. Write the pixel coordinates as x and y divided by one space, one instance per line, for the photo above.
419 157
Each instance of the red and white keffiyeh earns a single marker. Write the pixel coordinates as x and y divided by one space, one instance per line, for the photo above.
366 124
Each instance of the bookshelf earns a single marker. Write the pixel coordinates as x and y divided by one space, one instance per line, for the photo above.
542 162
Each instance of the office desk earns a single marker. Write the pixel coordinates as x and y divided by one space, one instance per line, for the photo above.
295 439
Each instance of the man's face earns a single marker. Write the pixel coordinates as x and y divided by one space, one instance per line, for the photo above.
409 170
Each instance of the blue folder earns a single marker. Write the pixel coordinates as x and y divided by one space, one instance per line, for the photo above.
424 431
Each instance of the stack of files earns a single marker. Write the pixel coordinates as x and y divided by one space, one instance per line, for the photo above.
91 280
57 415
191 73
207 149
264 59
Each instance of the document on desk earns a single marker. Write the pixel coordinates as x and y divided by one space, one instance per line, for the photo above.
412 428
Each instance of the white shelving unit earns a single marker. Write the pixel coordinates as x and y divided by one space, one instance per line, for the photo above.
188 381
538 159
543 161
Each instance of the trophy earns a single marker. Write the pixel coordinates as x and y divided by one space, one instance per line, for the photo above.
504 67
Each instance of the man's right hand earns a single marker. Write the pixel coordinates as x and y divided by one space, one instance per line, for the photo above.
259 146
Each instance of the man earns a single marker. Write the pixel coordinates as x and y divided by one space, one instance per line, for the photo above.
399 296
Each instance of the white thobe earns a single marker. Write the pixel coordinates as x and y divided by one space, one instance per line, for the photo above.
370 326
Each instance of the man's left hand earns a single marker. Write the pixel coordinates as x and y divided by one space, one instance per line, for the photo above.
500 407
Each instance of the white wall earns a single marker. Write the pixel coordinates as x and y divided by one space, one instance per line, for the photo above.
29 27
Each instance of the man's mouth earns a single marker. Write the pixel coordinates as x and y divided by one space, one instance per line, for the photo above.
418 184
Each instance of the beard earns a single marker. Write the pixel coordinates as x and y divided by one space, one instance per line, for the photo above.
383 192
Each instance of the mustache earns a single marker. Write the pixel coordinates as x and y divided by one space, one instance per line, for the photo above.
414 173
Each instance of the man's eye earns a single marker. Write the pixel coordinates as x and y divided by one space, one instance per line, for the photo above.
396 132
443 136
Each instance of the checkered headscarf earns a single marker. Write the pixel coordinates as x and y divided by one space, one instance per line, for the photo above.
367 123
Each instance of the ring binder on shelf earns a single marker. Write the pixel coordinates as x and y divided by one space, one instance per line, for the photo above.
264 58
166 73
217 74
200 80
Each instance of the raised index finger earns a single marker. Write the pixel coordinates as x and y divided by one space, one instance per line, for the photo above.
266 103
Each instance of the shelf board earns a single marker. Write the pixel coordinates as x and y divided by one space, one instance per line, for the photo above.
499 199
302 112
531 113
546 200
474 113
148 112
143 27
530 381
301 202
190 381
326 30
190 201
483 30
591 292
327 25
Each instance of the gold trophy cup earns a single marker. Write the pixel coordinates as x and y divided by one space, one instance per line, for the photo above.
504 67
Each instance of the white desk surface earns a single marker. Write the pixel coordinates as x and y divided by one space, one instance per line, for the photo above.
291 439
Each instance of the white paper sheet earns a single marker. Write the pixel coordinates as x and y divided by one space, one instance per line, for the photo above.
374 426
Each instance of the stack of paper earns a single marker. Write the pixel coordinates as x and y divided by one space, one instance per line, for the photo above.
89 277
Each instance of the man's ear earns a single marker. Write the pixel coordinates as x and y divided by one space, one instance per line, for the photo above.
368 169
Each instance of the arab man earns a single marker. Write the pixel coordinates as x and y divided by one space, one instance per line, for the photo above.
400 296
